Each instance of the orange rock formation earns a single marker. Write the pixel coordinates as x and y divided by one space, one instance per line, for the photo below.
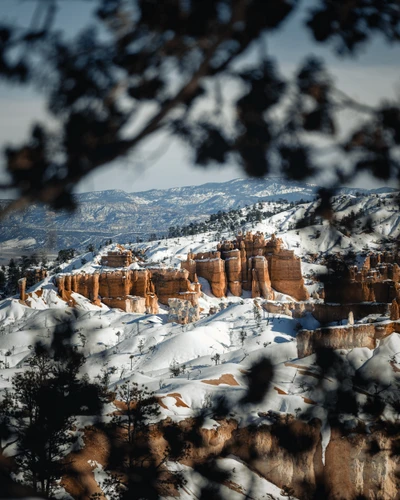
124 288
22 288
376 281
343 337
118 258
249 263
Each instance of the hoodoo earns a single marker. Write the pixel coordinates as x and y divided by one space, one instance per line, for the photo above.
247 263
250 263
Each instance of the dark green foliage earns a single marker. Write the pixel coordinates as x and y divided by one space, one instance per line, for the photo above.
39 413
65 255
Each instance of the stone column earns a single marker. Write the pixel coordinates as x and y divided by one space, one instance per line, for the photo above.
22 288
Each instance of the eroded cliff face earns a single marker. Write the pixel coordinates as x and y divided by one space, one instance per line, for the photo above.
174 283
344 337
287 452
124 288
376 281
117 258
291 455
210 266
250 263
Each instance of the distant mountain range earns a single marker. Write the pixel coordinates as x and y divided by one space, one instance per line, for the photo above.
125 216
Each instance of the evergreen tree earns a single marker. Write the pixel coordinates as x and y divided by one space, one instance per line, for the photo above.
13 275
40 413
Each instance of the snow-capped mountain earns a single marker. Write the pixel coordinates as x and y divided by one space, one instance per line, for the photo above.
127 216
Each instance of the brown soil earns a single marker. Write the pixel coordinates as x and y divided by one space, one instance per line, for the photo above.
309 401
280 391
68 298
178 399
227 379
80 482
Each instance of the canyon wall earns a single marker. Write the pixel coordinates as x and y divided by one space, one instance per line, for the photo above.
288 452
249 263
343 337
377 280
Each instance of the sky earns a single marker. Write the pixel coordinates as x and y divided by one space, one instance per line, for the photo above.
162 163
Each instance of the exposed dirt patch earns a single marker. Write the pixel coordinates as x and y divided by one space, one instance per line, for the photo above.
233 486
161 403
309 401
226 379
80 482
178 399
69 299
280 391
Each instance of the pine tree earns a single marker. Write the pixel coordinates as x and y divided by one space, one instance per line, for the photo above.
41 412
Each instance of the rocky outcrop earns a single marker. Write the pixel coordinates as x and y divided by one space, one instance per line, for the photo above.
344 337
114 288
377 280
182 311
22 289
328 313
123 288
128 303
293 309
288 452
249 263
117 258
209 266
394 310
174 283
325 313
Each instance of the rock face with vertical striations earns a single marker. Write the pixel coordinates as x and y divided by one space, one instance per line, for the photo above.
117 258
123 288
174 283
209 266
344 337
377 280
250 263
22 288
120 289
